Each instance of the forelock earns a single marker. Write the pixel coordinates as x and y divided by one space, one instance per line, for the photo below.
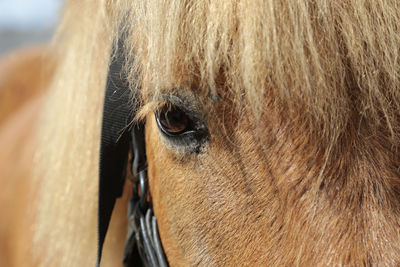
335 62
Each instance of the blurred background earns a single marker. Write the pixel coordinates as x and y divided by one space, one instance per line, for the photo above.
24 22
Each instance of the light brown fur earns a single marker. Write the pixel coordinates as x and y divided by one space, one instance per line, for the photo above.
24 74
301 99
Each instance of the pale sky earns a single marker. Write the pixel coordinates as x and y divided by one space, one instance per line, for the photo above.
28 14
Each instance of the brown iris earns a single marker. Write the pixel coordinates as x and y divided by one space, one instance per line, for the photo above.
173 121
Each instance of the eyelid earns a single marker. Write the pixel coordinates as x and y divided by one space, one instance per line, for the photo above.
188 104
191 115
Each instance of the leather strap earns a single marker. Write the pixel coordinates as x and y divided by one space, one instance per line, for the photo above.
114 146
143 246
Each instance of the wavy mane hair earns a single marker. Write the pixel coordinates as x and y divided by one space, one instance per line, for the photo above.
331 67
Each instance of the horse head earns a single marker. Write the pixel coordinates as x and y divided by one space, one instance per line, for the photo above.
271 131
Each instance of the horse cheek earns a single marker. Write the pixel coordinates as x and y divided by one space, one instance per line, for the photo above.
158 163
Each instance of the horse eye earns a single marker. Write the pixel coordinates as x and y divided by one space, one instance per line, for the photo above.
173 121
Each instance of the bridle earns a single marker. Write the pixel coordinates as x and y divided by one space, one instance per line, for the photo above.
143 246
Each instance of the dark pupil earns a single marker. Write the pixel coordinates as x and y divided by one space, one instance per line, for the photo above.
174 121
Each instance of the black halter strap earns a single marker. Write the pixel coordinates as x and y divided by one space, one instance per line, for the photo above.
143 246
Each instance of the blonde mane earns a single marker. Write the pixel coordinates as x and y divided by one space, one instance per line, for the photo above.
326 59
334 62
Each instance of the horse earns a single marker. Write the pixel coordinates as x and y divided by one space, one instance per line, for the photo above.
271 131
